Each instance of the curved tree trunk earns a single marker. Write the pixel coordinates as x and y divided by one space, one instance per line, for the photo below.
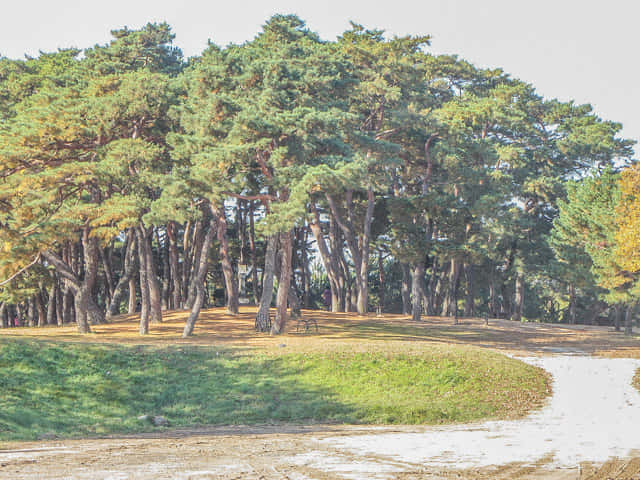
86 310
262 318
128 271
199 280
329 259
359 247
230 280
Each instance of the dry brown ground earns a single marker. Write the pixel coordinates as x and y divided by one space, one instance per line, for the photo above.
342 330
266 452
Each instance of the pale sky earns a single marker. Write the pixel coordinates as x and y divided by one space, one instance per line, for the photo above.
584 50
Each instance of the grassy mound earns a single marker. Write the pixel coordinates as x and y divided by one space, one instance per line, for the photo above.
76 390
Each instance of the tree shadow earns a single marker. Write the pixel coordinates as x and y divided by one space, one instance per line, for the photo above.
67 390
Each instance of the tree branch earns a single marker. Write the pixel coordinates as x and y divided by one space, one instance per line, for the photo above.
21 271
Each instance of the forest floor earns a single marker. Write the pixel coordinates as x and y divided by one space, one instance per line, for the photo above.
587 431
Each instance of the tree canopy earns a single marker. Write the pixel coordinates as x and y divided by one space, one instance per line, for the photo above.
365 167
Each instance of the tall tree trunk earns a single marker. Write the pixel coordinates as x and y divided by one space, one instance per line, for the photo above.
353 296
628 320
406 288
41 313
91 257
284 283
262 318
430 295
452 295
343 295
145 302
186 264
59 304
506 307
155 294
306 271
4 323
19 319
163 253
359 247
438 295
51 304
363 272
519 298
572 304
81 304
618 317
68 312
31 312
176 288
381 283
329 258
446 302
132 304
108 274
199 280
294 302
417 290
469 307
493 298
252 250
197 241
230 280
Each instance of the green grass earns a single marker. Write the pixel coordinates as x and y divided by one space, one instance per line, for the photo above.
79 390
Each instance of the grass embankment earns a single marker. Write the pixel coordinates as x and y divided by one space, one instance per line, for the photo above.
636 379
77 390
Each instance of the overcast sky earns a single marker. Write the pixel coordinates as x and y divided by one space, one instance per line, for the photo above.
586 50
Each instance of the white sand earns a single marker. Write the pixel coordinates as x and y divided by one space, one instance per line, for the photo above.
593 415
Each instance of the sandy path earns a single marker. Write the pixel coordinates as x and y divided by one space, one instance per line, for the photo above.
593 415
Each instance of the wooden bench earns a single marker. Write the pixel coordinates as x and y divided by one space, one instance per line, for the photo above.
306 321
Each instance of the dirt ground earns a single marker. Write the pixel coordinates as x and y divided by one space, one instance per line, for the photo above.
267 453
347 330
298 452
